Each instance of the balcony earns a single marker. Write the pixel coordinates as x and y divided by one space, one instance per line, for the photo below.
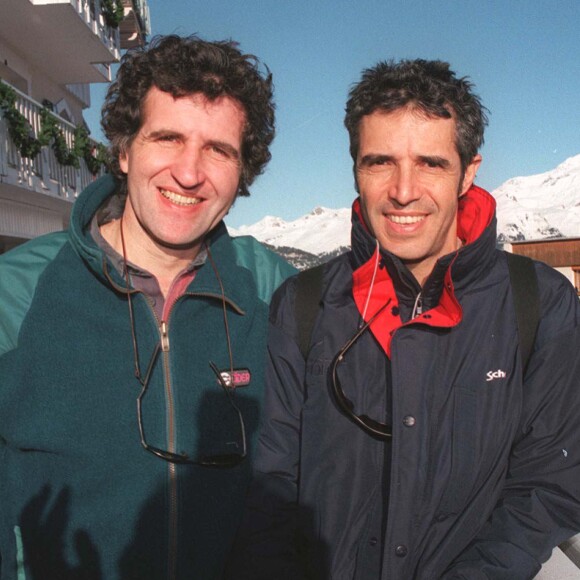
42 174
136 26
68 40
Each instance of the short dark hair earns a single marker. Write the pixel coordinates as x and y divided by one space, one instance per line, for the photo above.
183 66
427 85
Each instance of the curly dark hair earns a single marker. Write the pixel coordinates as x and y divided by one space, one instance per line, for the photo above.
427 85
182 66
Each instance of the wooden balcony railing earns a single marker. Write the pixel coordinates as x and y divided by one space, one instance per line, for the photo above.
42 173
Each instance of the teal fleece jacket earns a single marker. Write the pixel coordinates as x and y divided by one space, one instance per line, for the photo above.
79 495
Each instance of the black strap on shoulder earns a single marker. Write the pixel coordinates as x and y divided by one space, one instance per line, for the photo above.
526 302
306 303
523 281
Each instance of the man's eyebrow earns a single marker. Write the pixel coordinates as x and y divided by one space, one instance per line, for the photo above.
374 158
435 160
162 133
229 149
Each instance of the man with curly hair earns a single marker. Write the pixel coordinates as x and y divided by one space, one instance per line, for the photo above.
131 346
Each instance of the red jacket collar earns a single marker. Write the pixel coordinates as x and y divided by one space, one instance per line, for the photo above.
372 285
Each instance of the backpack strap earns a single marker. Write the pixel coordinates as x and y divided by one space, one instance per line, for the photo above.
524 283
306 304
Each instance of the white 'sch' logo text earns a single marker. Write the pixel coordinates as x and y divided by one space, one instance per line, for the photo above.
492 375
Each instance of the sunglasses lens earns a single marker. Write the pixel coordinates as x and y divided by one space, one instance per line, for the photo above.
370 426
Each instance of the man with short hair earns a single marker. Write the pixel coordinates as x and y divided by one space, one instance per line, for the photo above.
132 346
409 441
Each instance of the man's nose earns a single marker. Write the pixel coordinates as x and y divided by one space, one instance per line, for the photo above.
403 187
188 168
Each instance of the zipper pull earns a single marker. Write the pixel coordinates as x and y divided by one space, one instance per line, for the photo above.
164 336
418 308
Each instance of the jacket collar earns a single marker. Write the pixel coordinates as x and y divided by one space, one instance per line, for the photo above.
84 208
205 282
380 276
237 293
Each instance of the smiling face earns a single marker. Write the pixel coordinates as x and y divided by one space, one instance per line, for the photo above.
183 169
409 177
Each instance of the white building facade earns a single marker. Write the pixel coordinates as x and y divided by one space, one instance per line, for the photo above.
50 53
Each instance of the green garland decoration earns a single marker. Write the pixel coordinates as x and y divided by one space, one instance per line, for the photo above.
18 127
22 135
113 12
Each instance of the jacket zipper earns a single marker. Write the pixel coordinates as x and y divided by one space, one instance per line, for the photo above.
163 328
172 468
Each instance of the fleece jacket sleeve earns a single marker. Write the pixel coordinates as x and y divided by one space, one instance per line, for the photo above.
20 270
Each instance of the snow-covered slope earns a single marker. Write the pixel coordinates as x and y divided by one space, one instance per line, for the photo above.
322 230
531 208
541 206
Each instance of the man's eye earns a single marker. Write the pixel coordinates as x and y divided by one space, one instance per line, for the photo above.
164 139
223 153
434 163
381 160
375 163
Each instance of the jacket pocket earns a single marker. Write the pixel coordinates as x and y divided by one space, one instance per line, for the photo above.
463 461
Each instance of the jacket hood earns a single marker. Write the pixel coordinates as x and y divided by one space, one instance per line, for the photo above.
379 275
205 282
85 207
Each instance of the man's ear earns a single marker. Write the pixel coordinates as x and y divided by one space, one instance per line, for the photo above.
124 162
355 178
469 175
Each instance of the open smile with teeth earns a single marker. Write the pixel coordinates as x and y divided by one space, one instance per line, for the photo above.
406 219
179 199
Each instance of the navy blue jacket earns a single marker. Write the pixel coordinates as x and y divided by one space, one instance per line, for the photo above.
482 476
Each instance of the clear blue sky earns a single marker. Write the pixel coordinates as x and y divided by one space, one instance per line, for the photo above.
522 55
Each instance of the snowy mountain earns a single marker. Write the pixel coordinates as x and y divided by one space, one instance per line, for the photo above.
541 206
534 207
321 231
